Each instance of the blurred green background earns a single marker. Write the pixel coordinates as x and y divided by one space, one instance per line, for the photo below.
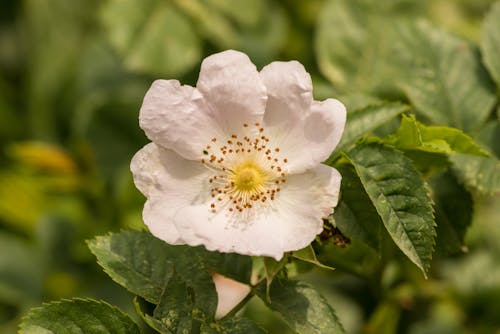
72 78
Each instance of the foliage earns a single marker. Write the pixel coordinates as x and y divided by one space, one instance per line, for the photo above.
413 241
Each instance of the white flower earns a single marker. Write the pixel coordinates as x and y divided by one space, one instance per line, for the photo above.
235 162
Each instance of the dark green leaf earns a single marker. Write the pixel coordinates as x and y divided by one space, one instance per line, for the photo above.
137 261
490 42
175 310
454 208
445 80
400 197
355 215
413 135
302 308
78 316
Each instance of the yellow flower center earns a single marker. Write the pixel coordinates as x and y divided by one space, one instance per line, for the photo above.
248 177
247 170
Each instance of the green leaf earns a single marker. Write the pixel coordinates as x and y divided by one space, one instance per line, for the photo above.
302 307
413 135
137 261
232 326
354 42
152 36
307 254
454 207
176 307
490 42
363 121
355 215
400 197
481 174
77 316
444 79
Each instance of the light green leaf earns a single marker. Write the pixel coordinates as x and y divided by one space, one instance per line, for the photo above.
354 42
78 316
490 42
307 254
232 326
400 197
481 174
454 207
413 135
355 215
152 36
444 79
302 308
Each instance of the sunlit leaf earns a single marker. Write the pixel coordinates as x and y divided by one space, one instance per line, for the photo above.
232 325
413 135
400 197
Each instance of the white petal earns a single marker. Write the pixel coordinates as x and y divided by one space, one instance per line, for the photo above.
229 293
291 222
176 117
231 85
170 183
289 91
312 138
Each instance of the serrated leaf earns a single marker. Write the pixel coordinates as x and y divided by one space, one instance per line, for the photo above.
363 121
152 36
307 254
355 215
302 307
454 207
413 135
444 80
143 264
232 326
490 42
481 174
137 261
400 197
77 316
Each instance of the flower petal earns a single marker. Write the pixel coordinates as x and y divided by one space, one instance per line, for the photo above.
312 138
289 92
229 294
170 183
231 85
290 223
176 117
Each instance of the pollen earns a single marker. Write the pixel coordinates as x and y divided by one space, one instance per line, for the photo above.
244 171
